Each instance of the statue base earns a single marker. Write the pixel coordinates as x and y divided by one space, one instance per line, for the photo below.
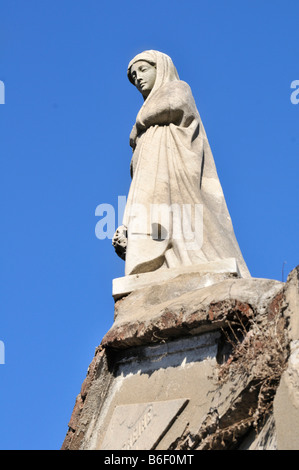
186 367
125 285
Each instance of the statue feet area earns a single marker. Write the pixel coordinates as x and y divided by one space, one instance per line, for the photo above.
203 275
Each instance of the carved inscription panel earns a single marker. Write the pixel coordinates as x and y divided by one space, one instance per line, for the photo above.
141 426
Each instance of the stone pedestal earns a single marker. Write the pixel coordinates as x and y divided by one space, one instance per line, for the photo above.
192 362
203 272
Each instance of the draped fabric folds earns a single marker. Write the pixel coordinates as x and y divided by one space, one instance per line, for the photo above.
176 214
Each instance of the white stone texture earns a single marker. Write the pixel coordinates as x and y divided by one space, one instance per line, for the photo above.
125 285
173 166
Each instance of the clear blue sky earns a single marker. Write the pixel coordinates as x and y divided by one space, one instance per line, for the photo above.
64 133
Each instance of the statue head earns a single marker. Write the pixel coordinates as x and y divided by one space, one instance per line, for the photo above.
143 75
150 70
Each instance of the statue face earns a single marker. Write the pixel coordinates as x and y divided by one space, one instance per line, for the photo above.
144 77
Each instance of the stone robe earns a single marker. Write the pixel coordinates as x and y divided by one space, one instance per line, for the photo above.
176 214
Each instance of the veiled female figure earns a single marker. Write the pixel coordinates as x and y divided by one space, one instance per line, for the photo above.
176 213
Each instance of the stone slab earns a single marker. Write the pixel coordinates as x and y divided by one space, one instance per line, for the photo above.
175 370
125 285
165 311
141 426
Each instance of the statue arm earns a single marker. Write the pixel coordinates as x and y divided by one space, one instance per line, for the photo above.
173 103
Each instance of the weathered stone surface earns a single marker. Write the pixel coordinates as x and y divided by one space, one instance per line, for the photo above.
168 311
141 426
286 404
174 370
236 360
286 401
291 296
205 274
247 382
98 379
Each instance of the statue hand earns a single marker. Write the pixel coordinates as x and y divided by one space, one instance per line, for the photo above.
119 241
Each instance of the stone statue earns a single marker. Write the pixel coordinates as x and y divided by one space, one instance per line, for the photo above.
176 214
